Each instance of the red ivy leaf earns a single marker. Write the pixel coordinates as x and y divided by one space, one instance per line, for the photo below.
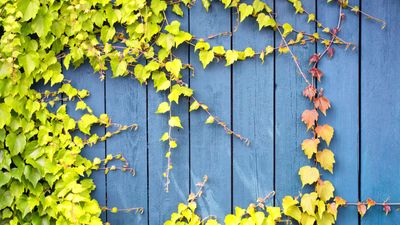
386 208
331 51
315 72
314 58
362 209
322 104
310 92
309 117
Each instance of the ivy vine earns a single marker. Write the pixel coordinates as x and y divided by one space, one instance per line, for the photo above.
45 180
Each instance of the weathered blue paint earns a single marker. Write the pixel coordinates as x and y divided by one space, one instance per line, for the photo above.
263 102
253 115
210 147
289 104
126 104
380 112
341 86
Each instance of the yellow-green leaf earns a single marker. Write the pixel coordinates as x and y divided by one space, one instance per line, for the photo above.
163 107
308 203
245 11
175 121
265 21
325 132
308 175
210 120
325 190
326 158
231 56
287 29
310 147
206 57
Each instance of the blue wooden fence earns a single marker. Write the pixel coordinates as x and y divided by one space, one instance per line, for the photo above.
264 103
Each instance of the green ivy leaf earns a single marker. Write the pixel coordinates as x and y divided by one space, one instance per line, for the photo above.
163 107
86 122
174 67
231 56
173 27
16 143
206 4
287 29
158 6
29 62
161 82
29 9
245 11
181 37
42 22
206 57
175 121
32 174
5 115
265 21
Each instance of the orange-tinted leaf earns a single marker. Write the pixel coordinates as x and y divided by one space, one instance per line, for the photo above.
332 209
386 208
310 147
315 72
322 104
325 132
370 203
362 209
309 117
340 201
310 92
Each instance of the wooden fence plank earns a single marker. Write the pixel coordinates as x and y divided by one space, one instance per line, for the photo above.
84 78
126 104
161 203
289 104
340 84
380 112
253 115
210 146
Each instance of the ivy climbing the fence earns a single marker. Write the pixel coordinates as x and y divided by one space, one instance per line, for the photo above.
45 180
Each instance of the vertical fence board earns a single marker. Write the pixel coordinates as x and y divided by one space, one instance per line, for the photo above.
380 111
84 78
161 203
290 103
253 115
340 84
210 146
126 104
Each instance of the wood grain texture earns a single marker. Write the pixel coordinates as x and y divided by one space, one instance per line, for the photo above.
253 115
380 112
340 84
210 146
289 104
161 203
84 78
126 104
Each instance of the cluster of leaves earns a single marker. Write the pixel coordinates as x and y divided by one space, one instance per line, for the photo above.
44 179
252 215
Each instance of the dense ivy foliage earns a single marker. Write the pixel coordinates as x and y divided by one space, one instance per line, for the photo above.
45 180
